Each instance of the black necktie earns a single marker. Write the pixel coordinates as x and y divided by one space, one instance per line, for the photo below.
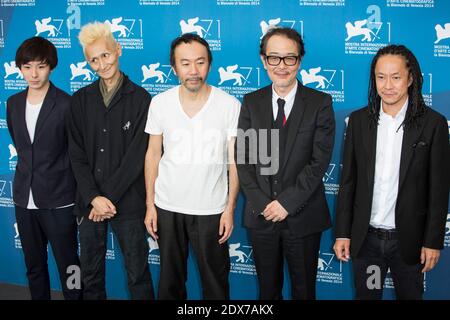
280 121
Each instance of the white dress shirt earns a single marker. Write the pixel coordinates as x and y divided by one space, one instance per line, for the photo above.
387 168
289 98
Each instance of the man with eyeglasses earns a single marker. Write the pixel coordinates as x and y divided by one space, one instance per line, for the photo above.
286 210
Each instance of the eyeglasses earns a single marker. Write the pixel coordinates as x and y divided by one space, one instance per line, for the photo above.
288 60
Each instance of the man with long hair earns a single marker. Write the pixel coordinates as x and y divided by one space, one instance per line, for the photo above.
393 196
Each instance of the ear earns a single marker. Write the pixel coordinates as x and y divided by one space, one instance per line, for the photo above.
174 71
410 79
119 49
263 60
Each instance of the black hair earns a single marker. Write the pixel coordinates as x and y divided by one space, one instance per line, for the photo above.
288 33
416 104
37 49
188 38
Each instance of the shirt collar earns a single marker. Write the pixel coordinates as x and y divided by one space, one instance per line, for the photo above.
289 97
400 116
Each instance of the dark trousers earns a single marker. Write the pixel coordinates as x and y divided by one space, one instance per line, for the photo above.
375 257
131 235
38 227
175 231
270 247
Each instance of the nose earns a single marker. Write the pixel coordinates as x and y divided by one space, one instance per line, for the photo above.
282 64
388 83
34 72
194 69
101 64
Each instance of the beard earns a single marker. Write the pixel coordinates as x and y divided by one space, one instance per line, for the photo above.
193 88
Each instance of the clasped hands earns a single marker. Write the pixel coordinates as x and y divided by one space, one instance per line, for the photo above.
274 212
102 208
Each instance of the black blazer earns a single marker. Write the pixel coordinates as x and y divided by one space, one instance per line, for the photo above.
422 200
44 164
107 147
309 145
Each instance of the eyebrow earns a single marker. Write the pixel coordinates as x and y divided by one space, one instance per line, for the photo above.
188 60
38 62
288 54
398 72
99 55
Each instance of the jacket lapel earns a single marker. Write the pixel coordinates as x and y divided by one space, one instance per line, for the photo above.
295 119
266 111
370 144
124 89
410 137
21 114
47 107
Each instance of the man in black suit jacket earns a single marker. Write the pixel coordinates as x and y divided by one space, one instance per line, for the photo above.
44 187
286 210
394 188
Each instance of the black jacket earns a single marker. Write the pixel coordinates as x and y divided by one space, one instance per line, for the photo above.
44 164
422 198
107 147
309 144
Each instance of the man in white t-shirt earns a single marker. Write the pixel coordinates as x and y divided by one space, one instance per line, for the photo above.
189 199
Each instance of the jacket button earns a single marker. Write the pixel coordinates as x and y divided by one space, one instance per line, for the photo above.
101 150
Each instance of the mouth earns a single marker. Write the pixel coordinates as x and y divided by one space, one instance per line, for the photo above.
282 73
104 71
194 79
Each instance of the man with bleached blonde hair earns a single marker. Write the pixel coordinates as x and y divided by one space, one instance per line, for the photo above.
107 146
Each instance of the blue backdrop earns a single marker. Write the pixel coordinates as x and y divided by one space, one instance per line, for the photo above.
341 37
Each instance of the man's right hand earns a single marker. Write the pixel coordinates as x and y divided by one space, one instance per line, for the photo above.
96 217
151 221
342 249
103 206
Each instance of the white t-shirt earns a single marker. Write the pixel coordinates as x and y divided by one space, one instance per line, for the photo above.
31 116
192 173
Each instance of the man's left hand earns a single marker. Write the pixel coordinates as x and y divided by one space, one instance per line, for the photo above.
275 212
226 225
429 258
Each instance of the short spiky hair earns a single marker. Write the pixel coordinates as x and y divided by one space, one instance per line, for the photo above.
91 32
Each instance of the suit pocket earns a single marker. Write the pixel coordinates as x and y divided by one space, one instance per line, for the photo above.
304 129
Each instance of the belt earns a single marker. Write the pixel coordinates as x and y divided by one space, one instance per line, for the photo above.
383 234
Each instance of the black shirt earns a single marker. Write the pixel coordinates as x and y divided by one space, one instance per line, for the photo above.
107 147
